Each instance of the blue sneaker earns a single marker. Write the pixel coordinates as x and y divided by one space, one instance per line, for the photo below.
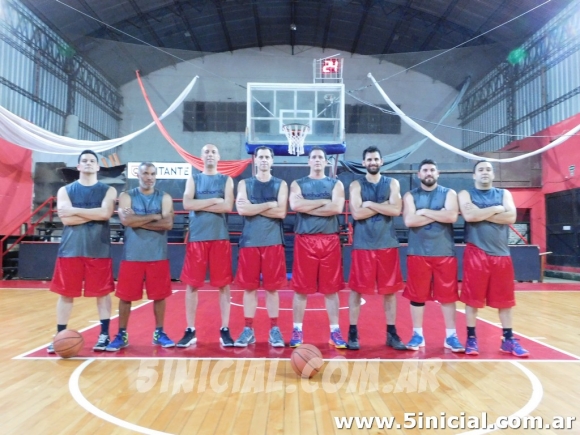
120 341
471 346
160 338
452 342
50 348
275 338
246 337
512 346
337 340
416 342
297 338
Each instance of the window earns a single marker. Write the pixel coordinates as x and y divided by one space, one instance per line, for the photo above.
363 119
214 116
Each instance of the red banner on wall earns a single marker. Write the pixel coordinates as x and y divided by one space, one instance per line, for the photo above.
233 168
16 186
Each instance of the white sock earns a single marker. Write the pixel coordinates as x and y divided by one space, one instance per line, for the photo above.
450 332
334 327
298 326
418 331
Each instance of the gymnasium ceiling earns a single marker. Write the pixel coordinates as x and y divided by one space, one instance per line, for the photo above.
400 31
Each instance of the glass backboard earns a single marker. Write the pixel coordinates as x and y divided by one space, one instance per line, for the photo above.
273 105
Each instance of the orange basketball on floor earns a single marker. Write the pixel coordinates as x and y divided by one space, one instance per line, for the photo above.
306 360
68 343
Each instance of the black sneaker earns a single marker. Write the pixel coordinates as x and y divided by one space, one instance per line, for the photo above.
225 338
352 343
102 343
188 338
395 342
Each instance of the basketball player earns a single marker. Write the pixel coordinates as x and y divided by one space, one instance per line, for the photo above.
147 214
488 274
208 195
430 211
317 200
85 207
374 200
262 200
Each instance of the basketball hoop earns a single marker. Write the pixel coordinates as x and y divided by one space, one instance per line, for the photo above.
296 134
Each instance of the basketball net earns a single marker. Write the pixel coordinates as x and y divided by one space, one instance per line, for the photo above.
296 134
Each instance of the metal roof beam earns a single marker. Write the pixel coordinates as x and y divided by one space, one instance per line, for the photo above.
257 23
144 19
218 5
404 10
366 9
181 13
327 24
438 25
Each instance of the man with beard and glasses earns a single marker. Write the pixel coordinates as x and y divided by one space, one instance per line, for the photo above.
430 211
374 200
488 272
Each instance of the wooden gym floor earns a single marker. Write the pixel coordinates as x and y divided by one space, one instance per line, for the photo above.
156 391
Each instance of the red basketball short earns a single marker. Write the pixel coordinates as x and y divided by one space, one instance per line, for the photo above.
155 274
317 264
70 272
373 271
487 279
431 279
217 254
270 261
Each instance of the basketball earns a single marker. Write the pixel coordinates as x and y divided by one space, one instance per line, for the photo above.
68 343
306 360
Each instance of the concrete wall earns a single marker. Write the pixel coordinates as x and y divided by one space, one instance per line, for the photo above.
223 78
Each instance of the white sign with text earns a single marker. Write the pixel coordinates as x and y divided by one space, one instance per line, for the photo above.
165 171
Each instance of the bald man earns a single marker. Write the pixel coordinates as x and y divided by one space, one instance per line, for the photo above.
208 196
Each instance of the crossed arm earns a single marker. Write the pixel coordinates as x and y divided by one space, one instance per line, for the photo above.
317 207
212 205
500 214
365 209
418 218
153 222
272 209
71 216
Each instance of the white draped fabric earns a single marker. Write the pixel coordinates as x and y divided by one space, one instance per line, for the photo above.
455 150
27 135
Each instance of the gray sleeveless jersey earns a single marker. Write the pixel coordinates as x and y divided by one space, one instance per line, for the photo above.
316 189
91 239
488 236
142 244
204 225
261 230
434 239
378 231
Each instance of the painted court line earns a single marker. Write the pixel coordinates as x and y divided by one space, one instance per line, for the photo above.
96 323
535 399
235 358
536 341
74 388
73 385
